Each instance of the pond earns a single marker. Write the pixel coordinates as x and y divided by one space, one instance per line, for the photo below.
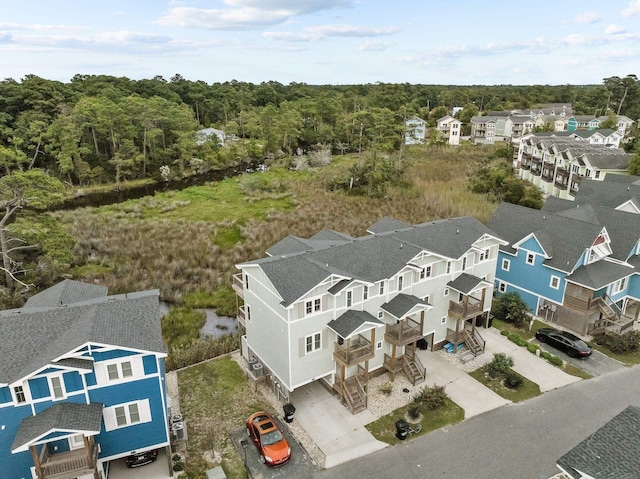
214 325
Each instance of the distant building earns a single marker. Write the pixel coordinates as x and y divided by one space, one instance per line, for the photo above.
208 133
415 131
450 128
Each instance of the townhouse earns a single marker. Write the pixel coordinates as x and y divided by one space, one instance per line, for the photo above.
450 128
338 309
557 162
82 382
574 265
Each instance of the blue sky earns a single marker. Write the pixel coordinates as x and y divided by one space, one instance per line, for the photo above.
323 41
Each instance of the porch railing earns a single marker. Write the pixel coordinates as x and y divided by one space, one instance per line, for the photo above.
357 351
69 464
405 332
466 310
238 285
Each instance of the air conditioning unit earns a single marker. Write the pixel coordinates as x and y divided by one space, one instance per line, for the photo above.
176 418
178 430
257 370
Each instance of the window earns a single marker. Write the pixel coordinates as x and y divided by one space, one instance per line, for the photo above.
312 306
247 310
443 320
619 285
531 258
464 263
596 174
365 293
427 298
313 342
502 287
308 307
554 282
381 289
422 273
316 305
246 281
506 264
587 173
127 414
116 371
349 299
445 293
20 395
380 314
448 267
379 345
427 271
56 387
400 279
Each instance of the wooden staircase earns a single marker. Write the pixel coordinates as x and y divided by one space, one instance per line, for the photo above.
413 369
355 396
474 342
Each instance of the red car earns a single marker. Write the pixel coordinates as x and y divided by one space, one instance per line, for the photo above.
272 446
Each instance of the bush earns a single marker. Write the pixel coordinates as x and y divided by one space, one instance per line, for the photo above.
556 361
511 308
201 350
386 388
546 355
619 343
512 379
432 397
500 365
532 348
413 411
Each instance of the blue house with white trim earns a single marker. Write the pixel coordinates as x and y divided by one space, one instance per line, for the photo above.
573 265
82 382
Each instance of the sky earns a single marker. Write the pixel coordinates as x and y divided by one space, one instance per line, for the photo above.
336 42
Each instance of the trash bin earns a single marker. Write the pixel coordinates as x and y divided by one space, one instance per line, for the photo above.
288 409
402 429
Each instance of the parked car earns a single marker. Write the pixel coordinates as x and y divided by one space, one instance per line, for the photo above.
142 458
267 436
564 341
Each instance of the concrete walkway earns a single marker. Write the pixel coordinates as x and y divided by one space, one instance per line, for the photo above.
530 366
340 435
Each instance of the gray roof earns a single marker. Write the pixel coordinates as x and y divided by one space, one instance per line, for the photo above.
613 451
75 363
564 238
600 274
322 239
66 417
370 258
610 193
33 337
331 235
66 292
387 224
402 304
465 283
349 322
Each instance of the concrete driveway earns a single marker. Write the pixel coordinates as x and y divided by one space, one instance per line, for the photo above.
530 366
156 470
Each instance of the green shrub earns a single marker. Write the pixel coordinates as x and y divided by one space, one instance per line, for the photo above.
201 350
532 348
499 365
413 411
386 388
180 326
432 397
504 332
619 343
512 379
546 355
556 361
511 308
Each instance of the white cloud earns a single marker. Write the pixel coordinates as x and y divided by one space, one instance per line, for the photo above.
370 46
587 17
317 33
632 9
614 30
246 14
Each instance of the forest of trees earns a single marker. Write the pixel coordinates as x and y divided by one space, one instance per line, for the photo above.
105 129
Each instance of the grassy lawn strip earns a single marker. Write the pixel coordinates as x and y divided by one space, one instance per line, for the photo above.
384 429
522 332
215 399
528 390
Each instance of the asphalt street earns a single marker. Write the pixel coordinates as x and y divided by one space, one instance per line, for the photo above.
516 441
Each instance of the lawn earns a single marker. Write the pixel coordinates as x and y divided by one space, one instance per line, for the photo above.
628 359
384 429
522 332
215 399
528 390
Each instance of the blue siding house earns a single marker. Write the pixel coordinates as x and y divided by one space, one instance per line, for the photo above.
81 382
574 265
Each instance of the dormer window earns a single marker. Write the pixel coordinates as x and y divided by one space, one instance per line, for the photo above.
21 397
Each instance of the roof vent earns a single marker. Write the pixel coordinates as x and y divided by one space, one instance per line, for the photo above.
326 265
400 245
457 231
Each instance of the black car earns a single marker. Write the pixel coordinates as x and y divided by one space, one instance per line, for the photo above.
142 458
564 341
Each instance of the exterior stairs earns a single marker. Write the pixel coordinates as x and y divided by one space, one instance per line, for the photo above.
413 369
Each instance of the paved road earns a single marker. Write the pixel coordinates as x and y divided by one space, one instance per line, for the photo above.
517 441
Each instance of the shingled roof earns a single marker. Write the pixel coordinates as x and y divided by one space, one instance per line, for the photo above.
612 193
33 337
369 258
66 292
351 321
613 451
64 417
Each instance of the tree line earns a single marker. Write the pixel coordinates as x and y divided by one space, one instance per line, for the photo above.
104 129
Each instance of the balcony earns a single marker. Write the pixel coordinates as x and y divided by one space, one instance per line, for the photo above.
535 171
465 310
353 351
405 332
238 285
547 175
69 464
525 166
241 317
